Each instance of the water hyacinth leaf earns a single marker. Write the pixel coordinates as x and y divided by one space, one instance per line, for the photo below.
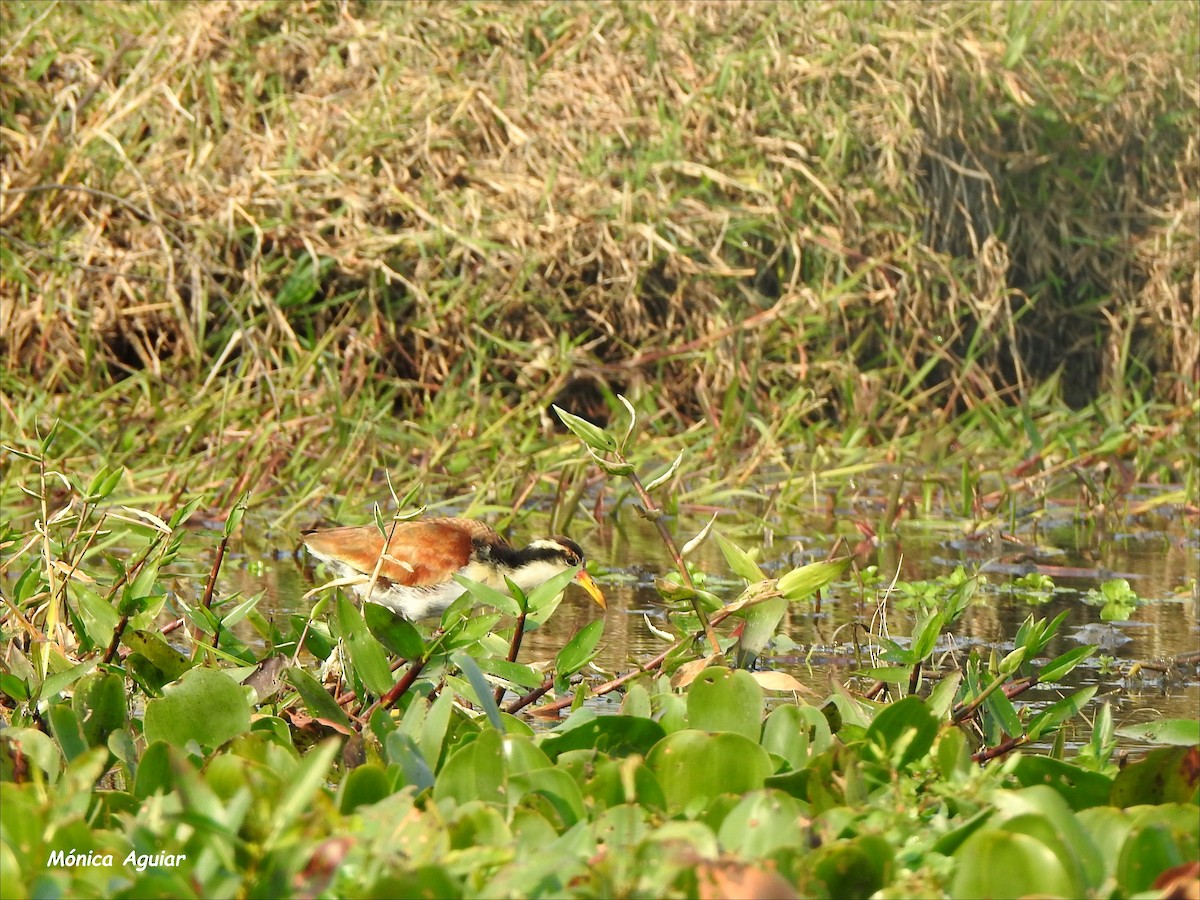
485 593
1159 839
742 564
692 767
38 748
763 823
1165 775
316 699
994 863
851 867
366 655
1080 788
593 436
616 736
580 650
205 706
807 580
393 631
1179 732
904 731
362 786
723 699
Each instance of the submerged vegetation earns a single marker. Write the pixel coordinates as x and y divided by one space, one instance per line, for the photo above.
261 259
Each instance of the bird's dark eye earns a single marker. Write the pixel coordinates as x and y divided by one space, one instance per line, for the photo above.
572 559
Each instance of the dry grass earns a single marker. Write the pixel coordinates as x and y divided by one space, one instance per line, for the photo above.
910 208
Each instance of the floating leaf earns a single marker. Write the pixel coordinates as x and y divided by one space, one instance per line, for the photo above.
205 706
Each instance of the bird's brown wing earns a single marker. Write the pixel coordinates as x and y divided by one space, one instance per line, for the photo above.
421 552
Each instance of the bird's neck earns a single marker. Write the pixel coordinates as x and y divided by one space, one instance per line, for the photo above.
527 567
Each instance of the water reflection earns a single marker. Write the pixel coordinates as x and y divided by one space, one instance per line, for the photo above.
833 640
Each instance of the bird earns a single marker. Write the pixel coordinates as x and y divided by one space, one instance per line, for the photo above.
422 556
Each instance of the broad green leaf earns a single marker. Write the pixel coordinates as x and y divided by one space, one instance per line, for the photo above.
723 699
1180 732
475 771
100 703
1165 775
904 731
994 863
67 731
764 823
205 706
693 767
395 632
57 683
366 655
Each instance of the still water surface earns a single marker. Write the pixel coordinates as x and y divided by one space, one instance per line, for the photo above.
1156 554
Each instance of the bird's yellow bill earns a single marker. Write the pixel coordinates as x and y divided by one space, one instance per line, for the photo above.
588 584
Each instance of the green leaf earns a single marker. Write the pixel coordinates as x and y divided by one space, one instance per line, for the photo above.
475 771
1058 713
1058 667
807 580
64 724
303 784
485 593
993 863
742 564
366 654
483 690
723 699
394 631
205 706
56 684
580 650
761 620
550 588
316 699
155 649
694 767
666 476
592 435
904 731
1165 775
1180 732
99 702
